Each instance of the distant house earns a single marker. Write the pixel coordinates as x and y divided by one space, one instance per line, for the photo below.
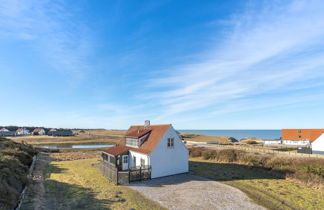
300 137
272 141
6 132
157 147
22 131
60 132
318 145
51 131
39 131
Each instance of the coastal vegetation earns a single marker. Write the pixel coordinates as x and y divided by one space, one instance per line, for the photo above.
203 138
79 139
272 181
15 160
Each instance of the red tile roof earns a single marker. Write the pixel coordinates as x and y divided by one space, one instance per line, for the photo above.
156 133
138 133
301 134
36 130
116 150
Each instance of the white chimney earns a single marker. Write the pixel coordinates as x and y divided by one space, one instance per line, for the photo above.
147 123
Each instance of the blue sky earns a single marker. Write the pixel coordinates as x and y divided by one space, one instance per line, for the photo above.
195 64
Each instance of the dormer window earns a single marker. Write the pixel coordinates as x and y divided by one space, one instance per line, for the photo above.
131 142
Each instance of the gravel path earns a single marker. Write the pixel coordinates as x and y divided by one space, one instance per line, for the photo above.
186 191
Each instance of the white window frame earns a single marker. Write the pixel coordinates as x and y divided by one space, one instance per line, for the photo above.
125 157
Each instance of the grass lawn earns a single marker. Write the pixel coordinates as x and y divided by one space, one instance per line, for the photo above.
262 187
78 185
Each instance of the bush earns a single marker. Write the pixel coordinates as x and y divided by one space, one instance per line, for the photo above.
209 154
251 142
307 170
15 160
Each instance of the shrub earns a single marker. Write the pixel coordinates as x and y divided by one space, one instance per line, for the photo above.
251 142
307 170
209 154
15 160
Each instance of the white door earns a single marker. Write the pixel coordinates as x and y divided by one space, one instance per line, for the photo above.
125 162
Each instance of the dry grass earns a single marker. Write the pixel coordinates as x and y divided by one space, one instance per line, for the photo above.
261 186
78 185
203 138
310 171
78 139
64 155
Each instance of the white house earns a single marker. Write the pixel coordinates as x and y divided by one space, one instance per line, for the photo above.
6 132
156 146
39 131
22 131
296 142
318 145
272 141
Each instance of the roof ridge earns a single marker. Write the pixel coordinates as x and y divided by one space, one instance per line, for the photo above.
153 125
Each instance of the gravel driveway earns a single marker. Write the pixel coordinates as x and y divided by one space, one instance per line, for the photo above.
186 191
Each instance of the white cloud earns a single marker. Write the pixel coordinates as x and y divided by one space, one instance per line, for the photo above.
59 38
276 48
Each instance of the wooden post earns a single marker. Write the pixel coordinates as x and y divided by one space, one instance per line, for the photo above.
140 172
117 175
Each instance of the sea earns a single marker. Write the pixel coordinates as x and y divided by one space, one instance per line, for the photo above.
239 134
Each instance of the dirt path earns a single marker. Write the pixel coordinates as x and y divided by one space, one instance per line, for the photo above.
35 195
186 191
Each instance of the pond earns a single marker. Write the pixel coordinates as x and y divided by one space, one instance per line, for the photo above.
76 146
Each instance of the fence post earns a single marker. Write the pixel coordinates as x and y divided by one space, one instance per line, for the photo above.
117 177
140 172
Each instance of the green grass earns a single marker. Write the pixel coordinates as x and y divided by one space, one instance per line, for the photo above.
77 184
262 187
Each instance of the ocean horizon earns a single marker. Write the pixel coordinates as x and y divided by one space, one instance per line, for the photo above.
238 134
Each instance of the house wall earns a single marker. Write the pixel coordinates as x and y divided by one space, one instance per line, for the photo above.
318 145
23 132
168 161
138 159
272 142
295 142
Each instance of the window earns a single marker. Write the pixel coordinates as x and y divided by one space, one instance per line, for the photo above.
125 159
142 162
132 142
299 136
299 131
134 161
170 142
104 157
111 159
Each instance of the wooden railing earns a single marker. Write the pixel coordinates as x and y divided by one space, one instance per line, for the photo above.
124 177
